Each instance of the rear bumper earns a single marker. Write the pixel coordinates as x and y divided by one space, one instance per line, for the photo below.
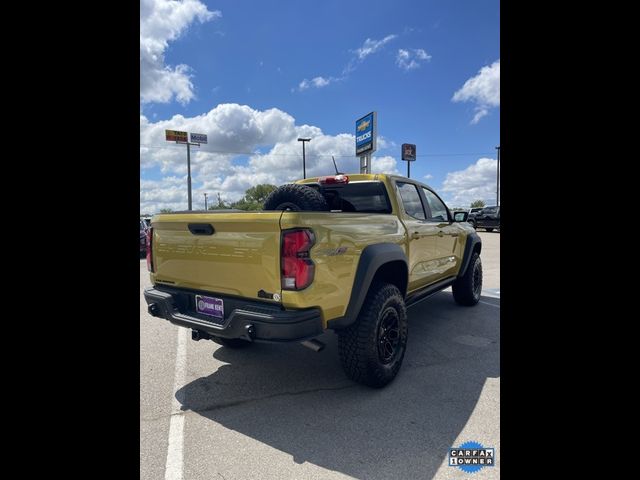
246 319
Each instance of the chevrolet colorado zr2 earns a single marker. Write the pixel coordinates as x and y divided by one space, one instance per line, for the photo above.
346 253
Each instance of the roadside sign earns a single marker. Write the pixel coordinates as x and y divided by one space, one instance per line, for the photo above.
198 138
366 131
408 152
175 136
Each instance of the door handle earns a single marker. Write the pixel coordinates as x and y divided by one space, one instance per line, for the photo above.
415 236
201 229
440 233
454 234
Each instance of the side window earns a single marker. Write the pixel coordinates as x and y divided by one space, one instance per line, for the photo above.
438 209
411 200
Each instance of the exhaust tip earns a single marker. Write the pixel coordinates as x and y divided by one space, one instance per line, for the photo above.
313 344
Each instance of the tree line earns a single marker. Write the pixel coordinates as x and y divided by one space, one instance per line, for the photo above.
254 198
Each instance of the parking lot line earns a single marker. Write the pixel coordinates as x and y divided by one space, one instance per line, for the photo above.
492 304
173 467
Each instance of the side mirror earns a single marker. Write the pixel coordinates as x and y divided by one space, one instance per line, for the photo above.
460 216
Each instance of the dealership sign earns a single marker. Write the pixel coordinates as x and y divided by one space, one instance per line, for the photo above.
366 130
175 136
198 138
408 152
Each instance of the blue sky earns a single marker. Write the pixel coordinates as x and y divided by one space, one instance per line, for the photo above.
259 74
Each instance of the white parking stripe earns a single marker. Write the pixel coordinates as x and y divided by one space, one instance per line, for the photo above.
492 304
173 468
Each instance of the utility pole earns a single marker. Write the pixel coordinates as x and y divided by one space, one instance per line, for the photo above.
189 173
188 144
183 138
498 179
304 167
205 201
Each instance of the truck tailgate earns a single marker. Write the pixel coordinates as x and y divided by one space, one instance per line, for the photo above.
240 257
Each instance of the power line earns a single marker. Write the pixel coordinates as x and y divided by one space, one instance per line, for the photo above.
228 152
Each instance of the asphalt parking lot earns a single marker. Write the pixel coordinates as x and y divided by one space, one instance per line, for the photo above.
279 412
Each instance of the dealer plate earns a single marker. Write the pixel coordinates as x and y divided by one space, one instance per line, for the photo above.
210 306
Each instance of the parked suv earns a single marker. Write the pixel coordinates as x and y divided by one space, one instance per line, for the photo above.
487 218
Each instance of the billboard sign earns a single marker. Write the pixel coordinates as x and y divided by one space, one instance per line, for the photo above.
198 138
175 136
408 152
366 131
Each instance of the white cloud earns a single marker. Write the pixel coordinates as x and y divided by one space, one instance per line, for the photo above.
359 55
421 54
163 21
483 90
317 82
386 164
410 59
371 46
476 182
239 132
428 176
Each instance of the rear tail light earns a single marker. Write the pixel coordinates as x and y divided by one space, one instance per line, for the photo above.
149 243
297 268
334 180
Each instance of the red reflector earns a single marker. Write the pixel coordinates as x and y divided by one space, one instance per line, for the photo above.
334 180
149 243
297 267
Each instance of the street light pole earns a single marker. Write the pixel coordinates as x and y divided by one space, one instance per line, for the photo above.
205 201
188 144
189 172
304 167
498 179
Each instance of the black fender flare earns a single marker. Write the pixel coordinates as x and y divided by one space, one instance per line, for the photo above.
473 239
372 258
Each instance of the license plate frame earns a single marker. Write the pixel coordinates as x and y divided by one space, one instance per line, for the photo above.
211 307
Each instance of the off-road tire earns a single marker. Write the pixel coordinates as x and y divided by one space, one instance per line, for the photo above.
231 342
467 288
360 344
297 198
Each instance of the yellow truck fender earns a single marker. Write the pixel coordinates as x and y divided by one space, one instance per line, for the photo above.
379 262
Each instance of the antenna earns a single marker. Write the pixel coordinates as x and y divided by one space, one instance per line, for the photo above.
335 166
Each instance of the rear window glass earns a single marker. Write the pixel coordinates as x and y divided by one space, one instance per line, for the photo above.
369 197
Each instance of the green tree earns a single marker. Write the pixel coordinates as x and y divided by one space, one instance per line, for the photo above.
166 210
259 193
220 205
477 203
254 197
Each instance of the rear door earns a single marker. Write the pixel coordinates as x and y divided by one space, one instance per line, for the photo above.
490 217
422 237
228 253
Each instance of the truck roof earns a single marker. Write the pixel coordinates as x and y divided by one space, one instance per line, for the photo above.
363 177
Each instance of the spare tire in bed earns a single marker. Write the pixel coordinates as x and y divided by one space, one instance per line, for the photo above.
296 197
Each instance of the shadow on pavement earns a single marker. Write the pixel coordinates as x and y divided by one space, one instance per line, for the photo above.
299 402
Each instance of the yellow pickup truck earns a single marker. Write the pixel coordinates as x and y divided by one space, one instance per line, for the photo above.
346 253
